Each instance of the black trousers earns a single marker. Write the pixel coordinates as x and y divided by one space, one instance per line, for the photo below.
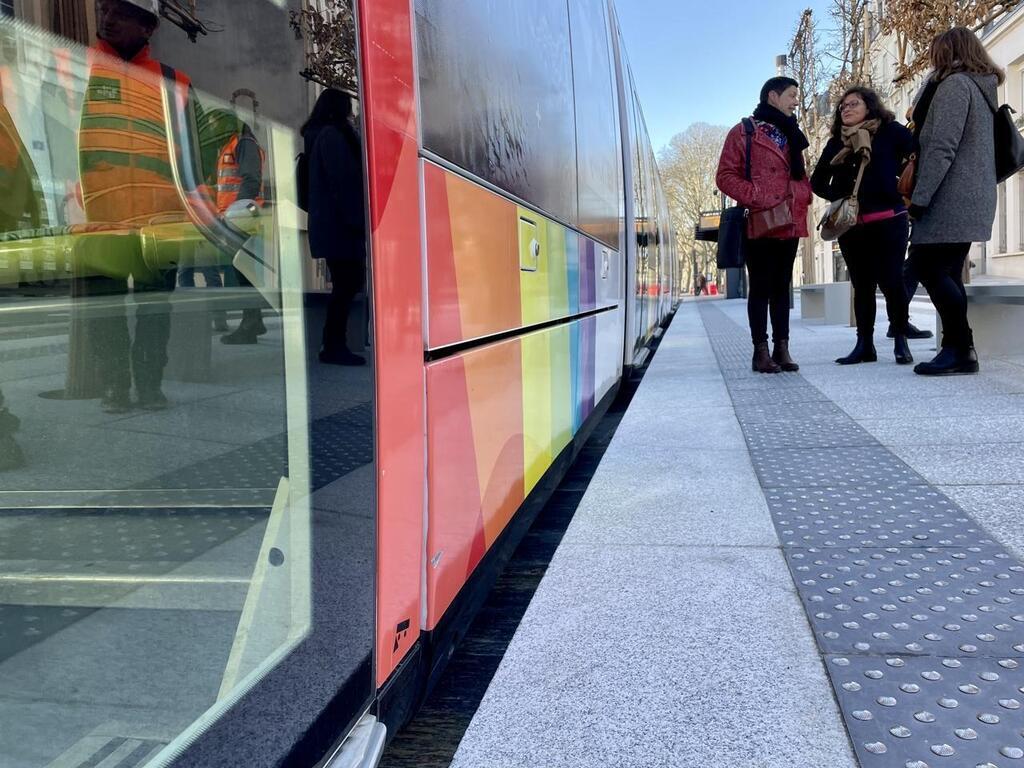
874 255
770 273
347 279
910 280
940 267
144 357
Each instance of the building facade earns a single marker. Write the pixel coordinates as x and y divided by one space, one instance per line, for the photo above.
1003 255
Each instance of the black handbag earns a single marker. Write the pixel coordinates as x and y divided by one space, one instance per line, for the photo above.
732 229
1009 143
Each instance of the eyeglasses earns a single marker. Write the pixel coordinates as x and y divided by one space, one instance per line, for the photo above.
850 105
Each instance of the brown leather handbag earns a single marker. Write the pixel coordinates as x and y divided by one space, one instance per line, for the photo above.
905 186
770 222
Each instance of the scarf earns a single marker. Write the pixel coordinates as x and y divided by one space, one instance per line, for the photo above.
856 140
794 136
924 103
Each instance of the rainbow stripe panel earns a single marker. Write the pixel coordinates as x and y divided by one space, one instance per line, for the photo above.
483 276
499 415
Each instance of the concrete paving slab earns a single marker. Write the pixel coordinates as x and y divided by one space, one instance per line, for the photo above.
71 460
674 657
719 465
999 509
203 422
716 425
960 430
860 407
988 464
705 393
680 507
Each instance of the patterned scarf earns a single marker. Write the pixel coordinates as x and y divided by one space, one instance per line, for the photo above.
857 140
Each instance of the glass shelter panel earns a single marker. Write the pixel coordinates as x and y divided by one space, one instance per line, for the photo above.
186 486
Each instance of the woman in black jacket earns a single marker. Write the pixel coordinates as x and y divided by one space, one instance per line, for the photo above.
864 130
337 213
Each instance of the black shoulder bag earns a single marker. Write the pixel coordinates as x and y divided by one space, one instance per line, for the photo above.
1008 141
732 229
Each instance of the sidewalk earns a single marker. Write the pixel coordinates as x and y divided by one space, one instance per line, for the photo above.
674 627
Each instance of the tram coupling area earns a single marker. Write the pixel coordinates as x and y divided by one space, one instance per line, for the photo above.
823 568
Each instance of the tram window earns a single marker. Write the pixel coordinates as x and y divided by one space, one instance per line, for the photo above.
597 122
512 126
186 485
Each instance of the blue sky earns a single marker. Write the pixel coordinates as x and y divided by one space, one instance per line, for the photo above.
699 61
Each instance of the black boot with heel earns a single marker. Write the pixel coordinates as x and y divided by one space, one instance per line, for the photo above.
901 350
950 362
863 352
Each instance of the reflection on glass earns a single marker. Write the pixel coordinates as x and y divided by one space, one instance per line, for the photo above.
160 397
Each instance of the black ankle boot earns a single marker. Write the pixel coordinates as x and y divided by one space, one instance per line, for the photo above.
901 350
863 352
762 362
950 362
781 356
913 332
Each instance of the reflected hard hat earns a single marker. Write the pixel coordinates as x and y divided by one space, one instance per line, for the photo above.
153 6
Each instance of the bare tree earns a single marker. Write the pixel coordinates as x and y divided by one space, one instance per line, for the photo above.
915 23
824 68
807 65
849 45
688 166
329 27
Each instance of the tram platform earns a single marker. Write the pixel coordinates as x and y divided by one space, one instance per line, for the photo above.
812 569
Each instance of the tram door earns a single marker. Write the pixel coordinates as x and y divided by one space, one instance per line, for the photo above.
186 415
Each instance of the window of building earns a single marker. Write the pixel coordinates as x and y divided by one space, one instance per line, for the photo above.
840 273
6 7
1020 211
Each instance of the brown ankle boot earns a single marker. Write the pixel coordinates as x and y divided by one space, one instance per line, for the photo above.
781 356
762 362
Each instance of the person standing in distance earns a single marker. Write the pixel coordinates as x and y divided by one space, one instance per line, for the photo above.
337 214
954 199
778 184
865 133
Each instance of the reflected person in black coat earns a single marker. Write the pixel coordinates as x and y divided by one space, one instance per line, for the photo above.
337 214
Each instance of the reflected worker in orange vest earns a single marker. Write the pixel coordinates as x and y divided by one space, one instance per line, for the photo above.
239 185
128 154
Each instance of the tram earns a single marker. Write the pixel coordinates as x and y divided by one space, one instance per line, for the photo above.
251 556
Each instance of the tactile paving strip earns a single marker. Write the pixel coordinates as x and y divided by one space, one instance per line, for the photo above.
919 612
341 443
829 432
864 517
66 538
936 600
858 466
937 711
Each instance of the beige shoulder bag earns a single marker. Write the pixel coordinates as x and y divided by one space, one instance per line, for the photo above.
841 215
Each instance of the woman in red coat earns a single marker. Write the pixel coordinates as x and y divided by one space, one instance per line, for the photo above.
779 191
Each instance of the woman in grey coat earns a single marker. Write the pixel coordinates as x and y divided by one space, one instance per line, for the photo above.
954 200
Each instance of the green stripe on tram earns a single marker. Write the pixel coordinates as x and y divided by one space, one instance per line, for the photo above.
92 159
127 124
